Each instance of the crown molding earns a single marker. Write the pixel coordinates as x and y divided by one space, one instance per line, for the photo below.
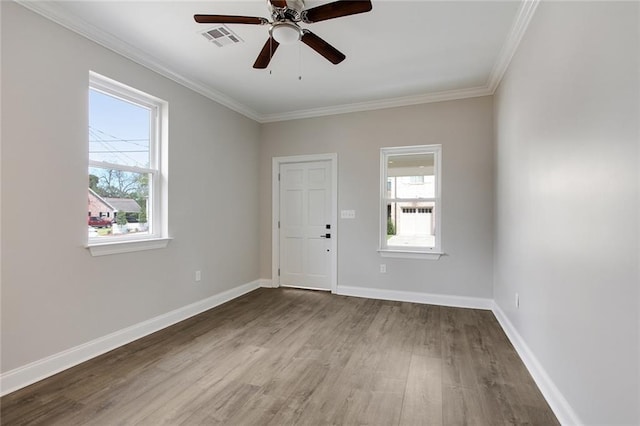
518 28
68 20
448 95
51 11
508 50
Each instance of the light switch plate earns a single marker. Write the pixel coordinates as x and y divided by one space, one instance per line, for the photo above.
347 214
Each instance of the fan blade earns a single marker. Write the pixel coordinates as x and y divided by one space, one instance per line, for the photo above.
332 54
279 3
229 19
336 10
266 54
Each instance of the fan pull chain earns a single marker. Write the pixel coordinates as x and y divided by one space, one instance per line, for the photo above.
299 61
270 55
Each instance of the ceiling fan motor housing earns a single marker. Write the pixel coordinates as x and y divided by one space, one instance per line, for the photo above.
291 12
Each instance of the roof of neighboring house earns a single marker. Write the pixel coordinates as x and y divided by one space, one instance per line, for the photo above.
103 200
124 204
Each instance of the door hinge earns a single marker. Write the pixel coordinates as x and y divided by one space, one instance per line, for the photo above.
278 224
278 271
278 177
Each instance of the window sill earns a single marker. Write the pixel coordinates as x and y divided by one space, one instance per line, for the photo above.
408 254
104 249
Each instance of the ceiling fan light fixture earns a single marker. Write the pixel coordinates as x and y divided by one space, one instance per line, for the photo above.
285 32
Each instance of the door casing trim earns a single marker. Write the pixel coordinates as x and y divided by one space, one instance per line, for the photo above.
275 212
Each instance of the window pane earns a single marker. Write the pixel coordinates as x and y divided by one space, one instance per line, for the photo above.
411 176
411 224
118 130
118 202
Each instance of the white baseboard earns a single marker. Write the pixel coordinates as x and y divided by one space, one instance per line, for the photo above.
23 376
561 408
424 298
266 283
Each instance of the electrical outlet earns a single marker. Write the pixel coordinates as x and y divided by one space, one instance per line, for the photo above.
383 268
517 301
198 276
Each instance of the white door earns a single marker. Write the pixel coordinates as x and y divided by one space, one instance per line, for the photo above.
306 230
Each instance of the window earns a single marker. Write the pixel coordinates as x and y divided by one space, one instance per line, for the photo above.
127 165
410 201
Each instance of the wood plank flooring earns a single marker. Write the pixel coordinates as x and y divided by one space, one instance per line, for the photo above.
286 356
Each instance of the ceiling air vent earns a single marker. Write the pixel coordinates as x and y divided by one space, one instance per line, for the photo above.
222 36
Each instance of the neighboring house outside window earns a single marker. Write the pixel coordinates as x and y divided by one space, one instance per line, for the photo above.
410 201
127 164
98 206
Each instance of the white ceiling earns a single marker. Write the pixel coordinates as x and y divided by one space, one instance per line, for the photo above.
400 53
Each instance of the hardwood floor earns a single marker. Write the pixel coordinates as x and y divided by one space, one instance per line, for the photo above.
285 356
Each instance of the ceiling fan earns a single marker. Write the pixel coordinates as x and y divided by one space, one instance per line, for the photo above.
284 27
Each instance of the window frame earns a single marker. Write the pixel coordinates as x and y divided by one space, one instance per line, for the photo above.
157 235
432 253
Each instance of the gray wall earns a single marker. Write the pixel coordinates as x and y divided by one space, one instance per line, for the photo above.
567 202
54 294
464 128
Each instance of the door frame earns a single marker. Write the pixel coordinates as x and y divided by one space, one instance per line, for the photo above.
275 213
